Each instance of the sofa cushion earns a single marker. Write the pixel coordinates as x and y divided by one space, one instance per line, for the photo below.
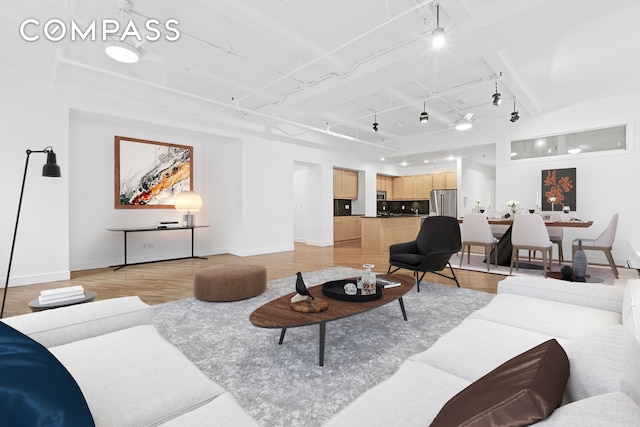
223 411
35 388
133 377
556 319
594 295
611 410
631 307
523 390
478 346
411 397
604 361
67 324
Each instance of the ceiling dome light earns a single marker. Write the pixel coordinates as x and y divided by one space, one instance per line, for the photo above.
438 35
464 124
122 51
424 116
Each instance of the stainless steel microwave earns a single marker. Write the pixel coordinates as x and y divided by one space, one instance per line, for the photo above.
381 195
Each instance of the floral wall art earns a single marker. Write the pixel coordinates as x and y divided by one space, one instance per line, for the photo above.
558 186
148 174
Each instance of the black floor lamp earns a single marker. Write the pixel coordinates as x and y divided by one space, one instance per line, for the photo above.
51 168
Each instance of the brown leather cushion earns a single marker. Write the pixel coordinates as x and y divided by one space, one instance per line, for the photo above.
520 392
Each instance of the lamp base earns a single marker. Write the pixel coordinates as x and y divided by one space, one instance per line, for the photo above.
188 220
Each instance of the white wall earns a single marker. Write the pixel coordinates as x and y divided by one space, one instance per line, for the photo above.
33 118
478 183
605 182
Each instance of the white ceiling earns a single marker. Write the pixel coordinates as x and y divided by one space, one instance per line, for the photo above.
305 66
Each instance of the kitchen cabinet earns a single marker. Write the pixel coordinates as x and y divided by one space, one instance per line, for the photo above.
345 184
346 228
447 180
385 183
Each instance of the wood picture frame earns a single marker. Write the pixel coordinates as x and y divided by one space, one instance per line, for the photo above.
148 174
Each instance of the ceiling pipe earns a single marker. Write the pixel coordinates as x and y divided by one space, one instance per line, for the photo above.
336 49
432 95
65 60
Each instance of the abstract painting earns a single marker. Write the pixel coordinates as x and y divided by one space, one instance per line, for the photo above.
148 174
561 185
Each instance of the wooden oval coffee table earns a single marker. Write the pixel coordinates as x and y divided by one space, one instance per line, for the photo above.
277 314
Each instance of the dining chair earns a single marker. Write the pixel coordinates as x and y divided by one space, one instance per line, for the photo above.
437 240
529 232
476 231
604 243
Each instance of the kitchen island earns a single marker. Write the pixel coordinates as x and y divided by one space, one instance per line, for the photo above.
378 233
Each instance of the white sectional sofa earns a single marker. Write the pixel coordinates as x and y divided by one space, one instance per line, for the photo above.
129 375
598 327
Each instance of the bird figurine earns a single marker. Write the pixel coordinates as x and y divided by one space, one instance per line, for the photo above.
301 288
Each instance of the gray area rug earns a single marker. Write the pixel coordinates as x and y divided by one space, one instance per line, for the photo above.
282 385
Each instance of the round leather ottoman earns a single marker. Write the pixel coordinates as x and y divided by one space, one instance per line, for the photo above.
229 282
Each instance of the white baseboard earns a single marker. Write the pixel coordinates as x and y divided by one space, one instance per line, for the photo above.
37 278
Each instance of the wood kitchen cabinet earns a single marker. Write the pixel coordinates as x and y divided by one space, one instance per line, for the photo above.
345 184
346 228
385 183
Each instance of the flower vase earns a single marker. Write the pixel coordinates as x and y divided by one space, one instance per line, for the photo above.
580 264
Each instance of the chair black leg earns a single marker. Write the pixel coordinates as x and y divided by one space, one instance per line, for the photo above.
454 274
418 280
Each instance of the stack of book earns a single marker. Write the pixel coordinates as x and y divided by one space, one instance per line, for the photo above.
69 293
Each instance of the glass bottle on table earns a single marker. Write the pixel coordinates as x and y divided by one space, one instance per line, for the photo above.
368 280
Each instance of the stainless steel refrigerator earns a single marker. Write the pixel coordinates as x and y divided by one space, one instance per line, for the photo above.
444 202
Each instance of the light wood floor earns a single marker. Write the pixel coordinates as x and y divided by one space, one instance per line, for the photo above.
172 280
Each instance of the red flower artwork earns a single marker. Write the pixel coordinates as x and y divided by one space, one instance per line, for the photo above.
557 188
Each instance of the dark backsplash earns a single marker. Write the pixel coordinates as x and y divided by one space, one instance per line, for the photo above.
397 207
342 207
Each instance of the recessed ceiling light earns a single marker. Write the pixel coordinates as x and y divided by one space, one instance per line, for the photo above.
382 159
514 154
573 150
426 161
404 163
122 51
451 158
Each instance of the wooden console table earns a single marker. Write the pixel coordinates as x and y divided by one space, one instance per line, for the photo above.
128 230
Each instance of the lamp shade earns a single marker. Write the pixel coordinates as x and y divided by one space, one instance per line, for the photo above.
51 168
188 201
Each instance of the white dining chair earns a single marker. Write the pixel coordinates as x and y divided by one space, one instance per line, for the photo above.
476 231
529 232
604 243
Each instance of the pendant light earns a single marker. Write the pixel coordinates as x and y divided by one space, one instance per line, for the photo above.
375 123
497 98
437 35
514 116
424 116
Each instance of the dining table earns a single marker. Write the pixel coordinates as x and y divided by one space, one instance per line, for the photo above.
504 246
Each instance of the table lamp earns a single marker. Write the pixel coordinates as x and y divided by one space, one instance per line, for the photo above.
51 169
189 202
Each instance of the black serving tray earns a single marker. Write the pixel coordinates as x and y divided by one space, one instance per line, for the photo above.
335 290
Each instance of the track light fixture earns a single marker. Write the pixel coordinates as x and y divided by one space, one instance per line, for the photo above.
437 35
375 123
497 98
514 116
424 116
